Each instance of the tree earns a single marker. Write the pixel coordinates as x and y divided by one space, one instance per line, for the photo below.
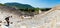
36 10
2 4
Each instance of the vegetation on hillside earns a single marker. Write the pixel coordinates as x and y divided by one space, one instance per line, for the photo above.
45 9
24 7
2 4
19 5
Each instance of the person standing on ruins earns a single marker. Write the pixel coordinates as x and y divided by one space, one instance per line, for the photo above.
7 20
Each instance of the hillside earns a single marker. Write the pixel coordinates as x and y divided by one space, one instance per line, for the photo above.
18 5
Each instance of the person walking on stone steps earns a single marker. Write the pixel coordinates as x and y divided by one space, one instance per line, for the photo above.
7 20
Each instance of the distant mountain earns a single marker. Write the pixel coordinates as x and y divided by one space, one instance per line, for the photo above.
19 5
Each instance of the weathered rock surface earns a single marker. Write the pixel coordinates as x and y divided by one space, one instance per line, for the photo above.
50 19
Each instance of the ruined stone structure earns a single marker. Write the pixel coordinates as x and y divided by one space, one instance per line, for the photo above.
49 19
9 17
6 12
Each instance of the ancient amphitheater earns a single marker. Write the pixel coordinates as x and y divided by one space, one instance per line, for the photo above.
49 19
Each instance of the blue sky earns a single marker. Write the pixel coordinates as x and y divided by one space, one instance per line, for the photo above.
35 3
